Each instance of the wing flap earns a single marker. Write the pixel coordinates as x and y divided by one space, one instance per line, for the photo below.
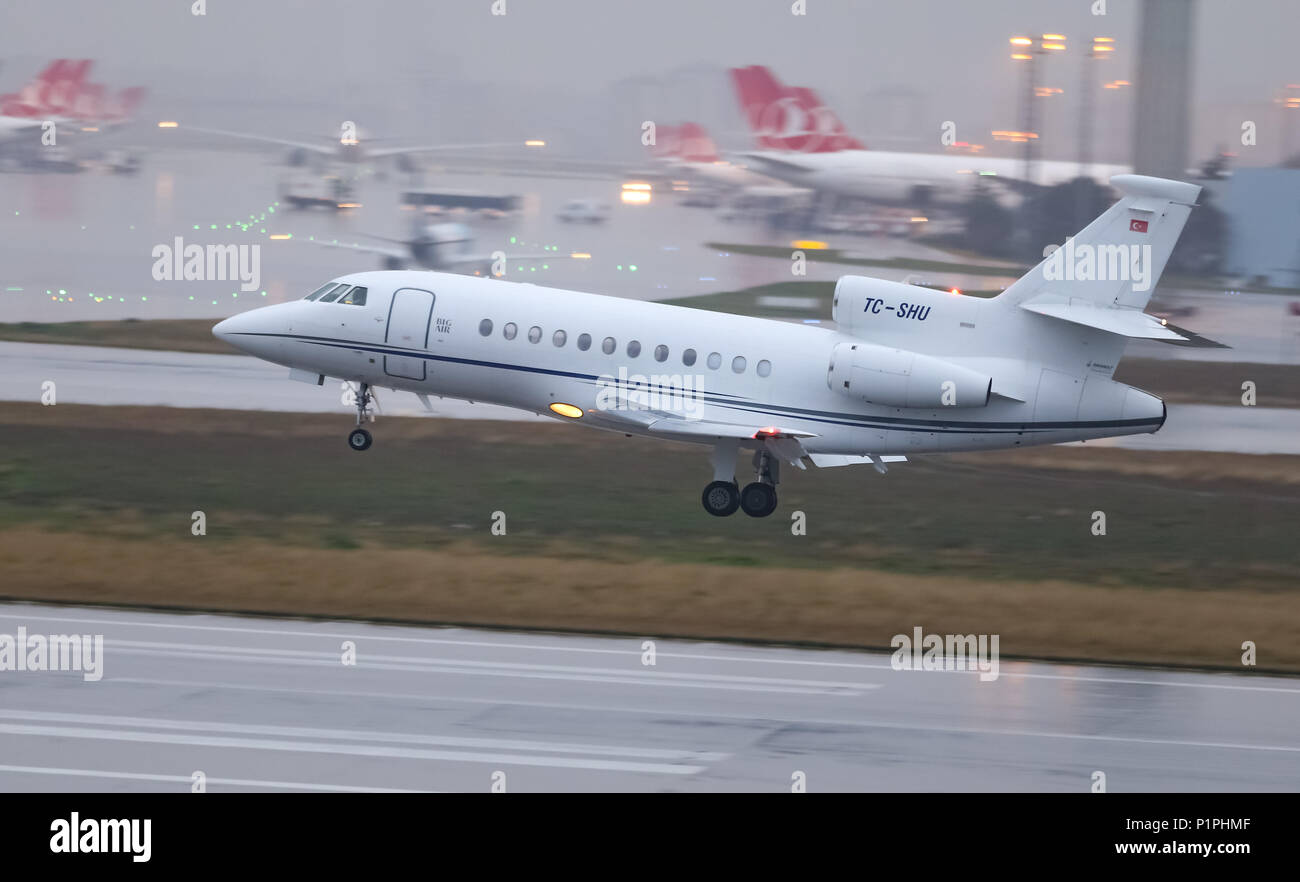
833 460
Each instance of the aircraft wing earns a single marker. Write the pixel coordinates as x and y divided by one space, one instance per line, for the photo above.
384 250
325 149
509 256
774 163
431 148
785 444
677 425
831 460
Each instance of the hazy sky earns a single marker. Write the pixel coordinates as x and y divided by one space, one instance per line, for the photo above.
955 52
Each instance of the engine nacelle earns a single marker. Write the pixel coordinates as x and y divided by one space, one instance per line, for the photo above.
900 378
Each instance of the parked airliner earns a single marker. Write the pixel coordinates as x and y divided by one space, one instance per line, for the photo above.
906 370
803 142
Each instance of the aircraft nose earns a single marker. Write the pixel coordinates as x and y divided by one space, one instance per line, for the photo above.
251 332
234 330
222 330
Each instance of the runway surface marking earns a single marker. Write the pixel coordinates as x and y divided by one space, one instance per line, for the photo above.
635 651
715 715
188 780
518 759
262 703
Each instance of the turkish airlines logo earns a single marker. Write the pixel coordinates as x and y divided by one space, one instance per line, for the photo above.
1137 226
793 126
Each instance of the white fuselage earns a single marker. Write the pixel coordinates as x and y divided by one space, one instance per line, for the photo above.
910 177
434 338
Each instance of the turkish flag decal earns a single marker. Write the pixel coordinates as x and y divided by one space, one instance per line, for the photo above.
1137 226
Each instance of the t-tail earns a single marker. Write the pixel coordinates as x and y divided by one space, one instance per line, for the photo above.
1093 288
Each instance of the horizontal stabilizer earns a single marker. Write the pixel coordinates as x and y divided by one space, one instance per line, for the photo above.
1124 322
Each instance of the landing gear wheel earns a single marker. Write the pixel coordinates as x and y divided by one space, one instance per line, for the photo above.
359 439
758 499
721 498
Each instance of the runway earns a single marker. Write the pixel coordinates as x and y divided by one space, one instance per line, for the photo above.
105 376
122 377
268 704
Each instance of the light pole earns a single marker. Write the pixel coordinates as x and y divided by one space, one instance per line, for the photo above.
1027 49
1101 48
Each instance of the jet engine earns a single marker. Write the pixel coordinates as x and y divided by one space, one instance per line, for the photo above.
900 378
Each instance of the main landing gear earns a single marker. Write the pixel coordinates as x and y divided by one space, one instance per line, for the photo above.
359 438
723 496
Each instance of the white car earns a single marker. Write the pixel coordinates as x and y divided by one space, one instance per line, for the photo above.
590 211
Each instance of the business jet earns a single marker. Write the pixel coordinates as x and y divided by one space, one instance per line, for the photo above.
905 371
803 142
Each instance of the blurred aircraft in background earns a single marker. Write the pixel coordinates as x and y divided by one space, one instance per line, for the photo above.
36 120
803 142
60 94
444 247
688 152
346 147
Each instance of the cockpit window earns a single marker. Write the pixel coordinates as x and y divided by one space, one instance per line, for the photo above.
335 294
319 291
355 297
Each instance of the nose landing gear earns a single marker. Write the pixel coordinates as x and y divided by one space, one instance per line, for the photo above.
360 439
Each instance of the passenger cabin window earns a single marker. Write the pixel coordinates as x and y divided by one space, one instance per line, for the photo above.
534 334
319 291
633 348
608 345
661 352
738 364
715 361
355 297
688 357
584 342
559 337
335 294
510 330
485 327
764 368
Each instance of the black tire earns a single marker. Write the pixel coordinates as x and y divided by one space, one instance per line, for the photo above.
360 439
758 499
721 498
